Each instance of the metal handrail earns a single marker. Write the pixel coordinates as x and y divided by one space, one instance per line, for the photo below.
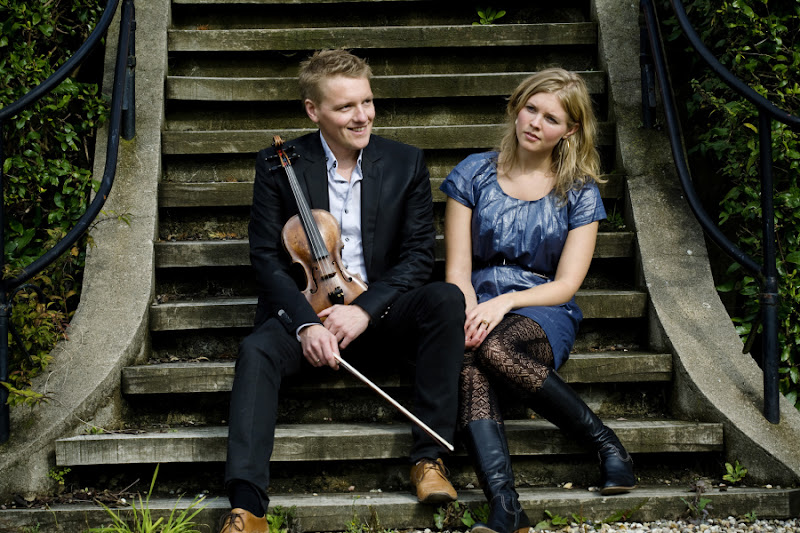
120 115
766 274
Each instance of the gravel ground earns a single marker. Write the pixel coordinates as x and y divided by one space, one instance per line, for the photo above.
729 524
712 525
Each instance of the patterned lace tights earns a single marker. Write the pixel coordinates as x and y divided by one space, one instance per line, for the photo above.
515 355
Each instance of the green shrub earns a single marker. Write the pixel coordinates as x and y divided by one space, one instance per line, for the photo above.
47 170
759 42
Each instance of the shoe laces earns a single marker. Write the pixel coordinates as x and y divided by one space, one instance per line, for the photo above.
230 521
431 464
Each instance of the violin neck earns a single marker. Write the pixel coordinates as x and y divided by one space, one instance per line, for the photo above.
317 244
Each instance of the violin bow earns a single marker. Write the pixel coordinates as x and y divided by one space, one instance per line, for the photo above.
435 436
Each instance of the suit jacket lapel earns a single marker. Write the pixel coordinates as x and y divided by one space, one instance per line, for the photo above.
372 170
314 178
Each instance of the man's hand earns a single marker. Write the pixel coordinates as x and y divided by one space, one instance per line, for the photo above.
319 346
345 322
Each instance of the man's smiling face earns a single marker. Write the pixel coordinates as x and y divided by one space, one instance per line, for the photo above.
344 115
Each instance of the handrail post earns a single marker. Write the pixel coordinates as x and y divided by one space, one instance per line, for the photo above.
769 286
5 413
129 97
648 80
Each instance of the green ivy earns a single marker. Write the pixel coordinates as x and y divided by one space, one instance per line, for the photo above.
47 171
759 42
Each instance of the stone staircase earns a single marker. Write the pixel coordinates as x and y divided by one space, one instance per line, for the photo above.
440 84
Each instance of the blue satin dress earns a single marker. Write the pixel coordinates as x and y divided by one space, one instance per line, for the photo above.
528 236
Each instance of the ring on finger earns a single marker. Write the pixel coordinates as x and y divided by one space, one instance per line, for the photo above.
485 322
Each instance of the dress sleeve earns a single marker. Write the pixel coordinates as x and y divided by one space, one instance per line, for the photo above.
458 185
585 206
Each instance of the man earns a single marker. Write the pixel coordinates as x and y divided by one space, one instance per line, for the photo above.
379 191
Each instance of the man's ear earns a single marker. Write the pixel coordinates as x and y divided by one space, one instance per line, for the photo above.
311 110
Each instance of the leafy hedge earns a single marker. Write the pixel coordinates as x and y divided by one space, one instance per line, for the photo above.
47 171
759 41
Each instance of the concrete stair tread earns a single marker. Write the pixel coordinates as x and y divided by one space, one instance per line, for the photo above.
217 376
469 136
278 2
363 441
259 39
396 86
239 190
333 511
238 312
236 252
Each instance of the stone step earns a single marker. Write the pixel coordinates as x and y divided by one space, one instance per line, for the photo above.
239 191
388 61
400 86
223 344
472 136
401 511
239 312
286 115
204 16
259 39
187 254
205 377
363 441
278 2
301 403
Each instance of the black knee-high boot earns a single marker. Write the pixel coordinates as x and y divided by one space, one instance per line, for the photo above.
488 449
558 403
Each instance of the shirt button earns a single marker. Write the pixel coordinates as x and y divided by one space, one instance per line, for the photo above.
346 210
347 239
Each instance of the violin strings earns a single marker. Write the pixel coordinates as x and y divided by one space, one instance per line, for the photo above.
316 242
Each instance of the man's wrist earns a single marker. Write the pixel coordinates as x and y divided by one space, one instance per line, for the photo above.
302 327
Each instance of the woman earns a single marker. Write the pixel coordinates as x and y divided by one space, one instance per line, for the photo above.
520 228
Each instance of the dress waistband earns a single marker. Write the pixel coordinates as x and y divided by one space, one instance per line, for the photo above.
479 264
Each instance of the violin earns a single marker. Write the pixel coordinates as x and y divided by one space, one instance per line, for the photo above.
313 239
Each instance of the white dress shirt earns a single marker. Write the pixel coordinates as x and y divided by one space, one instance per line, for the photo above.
344 198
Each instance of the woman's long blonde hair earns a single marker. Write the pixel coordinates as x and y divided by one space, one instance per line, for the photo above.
575 159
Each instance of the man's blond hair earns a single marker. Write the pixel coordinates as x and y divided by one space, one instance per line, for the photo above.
325 64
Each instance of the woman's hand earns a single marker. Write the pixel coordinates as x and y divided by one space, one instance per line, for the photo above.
483 318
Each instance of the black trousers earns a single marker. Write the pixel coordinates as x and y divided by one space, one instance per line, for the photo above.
429 321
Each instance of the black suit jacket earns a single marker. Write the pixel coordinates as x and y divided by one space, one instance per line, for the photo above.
396 226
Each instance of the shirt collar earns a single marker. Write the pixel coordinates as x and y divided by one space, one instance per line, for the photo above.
330 159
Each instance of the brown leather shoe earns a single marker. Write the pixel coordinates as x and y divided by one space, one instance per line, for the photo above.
430 479
241 521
